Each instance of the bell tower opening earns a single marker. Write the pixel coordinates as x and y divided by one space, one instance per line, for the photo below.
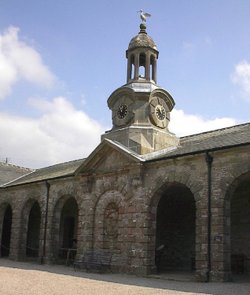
142 64
142 55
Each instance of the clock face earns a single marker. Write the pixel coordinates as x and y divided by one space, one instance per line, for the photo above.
122 111
159 112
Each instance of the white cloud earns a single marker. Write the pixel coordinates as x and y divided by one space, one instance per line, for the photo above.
19 61
61 133
185 124
241 77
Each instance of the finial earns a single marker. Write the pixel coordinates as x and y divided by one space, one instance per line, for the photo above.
143 28
143 16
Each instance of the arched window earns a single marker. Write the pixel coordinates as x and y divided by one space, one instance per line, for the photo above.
142 66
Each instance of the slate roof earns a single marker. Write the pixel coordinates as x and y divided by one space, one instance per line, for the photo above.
207 141
9 172
51 172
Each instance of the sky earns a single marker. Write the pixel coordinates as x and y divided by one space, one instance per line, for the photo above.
60 60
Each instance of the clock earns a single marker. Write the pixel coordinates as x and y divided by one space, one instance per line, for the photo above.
158 112
122 111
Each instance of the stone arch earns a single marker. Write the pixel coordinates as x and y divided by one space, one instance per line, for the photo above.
172 214
5 229
237 224
33 231
65 227
110 226
30 228
108 210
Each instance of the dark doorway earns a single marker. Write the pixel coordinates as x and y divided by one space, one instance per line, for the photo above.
68 228
240 227
175 230
33 232
6 232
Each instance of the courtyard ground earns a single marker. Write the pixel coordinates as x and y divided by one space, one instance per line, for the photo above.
17 278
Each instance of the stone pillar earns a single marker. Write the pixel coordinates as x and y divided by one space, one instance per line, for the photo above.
15 242
129 69
147 66
137 56
201 255
220 240
154 75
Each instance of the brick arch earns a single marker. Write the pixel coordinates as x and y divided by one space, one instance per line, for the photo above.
231 183
118 184
162 184
3 208
171 183
61 201
102 203
235 209
25 213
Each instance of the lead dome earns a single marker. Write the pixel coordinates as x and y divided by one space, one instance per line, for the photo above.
142 40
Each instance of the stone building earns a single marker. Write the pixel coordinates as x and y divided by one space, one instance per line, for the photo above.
9 172
140 190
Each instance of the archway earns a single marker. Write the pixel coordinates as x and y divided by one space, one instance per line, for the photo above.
6 232
240 225
175 229
68 229
33 231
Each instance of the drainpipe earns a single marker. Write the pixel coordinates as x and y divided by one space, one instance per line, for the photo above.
209 160
45 222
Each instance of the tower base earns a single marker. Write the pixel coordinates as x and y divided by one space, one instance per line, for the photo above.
143 139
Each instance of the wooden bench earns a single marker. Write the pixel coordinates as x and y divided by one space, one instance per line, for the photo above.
95 261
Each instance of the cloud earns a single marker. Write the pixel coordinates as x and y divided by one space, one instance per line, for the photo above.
20 61
241 77
60 133
185 124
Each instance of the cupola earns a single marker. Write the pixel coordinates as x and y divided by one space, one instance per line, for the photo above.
142 57
140 108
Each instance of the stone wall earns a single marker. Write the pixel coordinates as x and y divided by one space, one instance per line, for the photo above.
118 207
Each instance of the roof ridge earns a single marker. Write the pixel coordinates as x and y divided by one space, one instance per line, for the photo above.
57 164
13 180
16 166
215 130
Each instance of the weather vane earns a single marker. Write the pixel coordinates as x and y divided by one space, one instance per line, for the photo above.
144 15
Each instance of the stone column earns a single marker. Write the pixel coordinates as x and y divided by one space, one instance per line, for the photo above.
15 242
147 67
137 56
154 70
129 68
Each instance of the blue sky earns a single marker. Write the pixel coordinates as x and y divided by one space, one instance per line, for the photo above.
60 61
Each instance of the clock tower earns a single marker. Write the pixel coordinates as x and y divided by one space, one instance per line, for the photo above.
141 109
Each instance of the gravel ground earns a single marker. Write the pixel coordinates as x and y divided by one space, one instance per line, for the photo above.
18 278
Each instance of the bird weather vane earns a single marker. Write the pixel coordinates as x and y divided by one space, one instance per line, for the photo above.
144 15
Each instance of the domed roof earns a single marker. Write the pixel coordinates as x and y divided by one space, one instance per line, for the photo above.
142 40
